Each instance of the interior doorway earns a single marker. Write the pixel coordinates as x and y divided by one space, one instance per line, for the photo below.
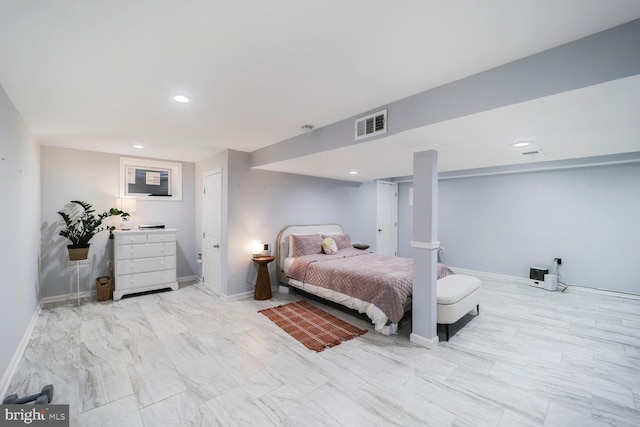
211 229
387 218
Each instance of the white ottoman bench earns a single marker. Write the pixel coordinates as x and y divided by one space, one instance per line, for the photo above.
457 295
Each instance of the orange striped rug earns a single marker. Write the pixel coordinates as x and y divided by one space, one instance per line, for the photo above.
313 327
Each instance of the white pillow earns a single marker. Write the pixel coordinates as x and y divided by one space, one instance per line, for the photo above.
329 246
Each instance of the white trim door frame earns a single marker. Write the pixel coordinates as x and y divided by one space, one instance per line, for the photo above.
387 218
212 229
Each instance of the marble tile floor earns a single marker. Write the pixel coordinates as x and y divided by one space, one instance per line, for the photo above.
188 358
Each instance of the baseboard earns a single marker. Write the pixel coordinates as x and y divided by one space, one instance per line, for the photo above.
188 279
604 292
15 360
525 281
247 294
66 297
424 342
74 295
236 297
490 276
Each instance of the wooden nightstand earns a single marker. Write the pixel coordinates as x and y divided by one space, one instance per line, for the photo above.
263 284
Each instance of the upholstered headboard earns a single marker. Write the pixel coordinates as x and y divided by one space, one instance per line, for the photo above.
282 241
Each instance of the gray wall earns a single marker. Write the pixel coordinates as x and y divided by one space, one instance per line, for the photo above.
405 220
19 229
506 223
69 174
260 203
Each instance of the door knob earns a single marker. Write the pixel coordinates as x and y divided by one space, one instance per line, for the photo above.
379 230
216 246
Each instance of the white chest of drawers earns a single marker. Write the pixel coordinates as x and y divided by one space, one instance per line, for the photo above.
144 260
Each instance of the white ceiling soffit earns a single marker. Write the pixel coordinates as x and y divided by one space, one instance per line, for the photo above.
100 75
593 121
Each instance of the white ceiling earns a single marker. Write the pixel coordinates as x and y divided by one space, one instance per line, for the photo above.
100 75
593 121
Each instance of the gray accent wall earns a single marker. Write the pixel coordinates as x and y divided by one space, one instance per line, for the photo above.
260 203
19 230
69 174
505 224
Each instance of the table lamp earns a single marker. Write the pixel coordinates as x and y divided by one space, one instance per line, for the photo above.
256 248
129 206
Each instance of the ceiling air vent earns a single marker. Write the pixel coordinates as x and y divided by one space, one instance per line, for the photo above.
373 124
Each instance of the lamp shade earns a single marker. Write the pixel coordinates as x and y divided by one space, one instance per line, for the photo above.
126 205
256 248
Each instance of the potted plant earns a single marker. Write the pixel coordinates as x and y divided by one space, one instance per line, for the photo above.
82 224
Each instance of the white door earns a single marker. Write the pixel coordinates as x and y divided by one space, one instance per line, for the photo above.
211 229
387 218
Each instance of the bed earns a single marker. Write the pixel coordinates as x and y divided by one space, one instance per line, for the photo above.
375 284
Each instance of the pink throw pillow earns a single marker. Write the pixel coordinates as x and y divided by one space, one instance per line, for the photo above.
306 244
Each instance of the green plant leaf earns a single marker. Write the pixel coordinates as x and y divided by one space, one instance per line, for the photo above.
82 225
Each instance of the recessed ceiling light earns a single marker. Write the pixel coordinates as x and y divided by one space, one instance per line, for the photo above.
353 172
521 144
181 99
138 146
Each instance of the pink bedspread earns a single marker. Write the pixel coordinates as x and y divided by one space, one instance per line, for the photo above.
379 279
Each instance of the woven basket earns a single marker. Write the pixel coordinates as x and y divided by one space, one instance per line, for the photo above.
104 288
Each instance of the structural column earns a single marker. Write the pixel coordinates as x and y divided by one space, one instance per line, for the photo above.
425 248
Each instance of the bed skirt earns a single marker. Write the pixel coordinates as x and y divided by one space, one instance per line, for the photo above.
378 318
